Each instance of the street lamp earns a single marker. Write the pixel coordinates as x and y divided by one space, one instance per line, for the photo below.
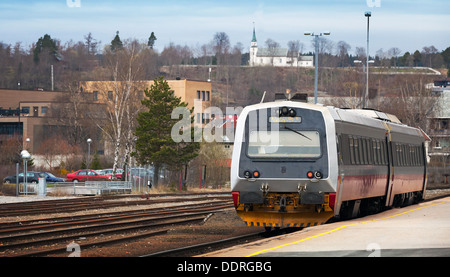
25 156
365 97
316 59
366 102
89 151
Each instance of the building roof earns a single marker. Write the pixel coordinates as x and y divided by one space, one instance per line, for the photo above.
276 52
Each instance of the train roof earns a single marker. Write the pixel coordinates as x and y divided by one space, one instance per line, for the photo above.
367 117
375 119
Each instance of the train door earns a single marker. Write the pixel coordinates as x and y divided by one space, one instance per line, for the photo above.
390 173
425 168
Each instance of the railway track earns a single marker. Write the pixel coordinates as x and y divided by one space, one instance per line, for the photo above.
112 229
92 229
42 235
95 202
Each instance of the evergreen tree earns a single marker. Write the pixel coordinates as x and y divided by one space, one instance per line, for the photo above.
116 43
155 144
95 164
45 43
151 40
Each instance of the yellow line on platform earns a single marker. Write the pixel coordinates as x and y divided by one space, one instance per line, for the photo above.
342 227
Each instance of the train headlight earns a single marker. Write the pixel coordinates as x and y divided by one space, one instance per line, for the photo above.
284 111
247 174
292 113
318 175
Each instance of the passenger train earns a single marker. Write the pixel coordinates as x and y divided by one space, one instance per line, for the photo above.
296 164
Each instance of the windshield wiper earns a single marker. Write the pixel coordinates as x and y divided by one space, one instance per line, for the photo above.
297 132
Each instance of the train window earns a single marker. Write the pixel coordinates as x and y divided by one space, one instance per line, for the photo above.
383 152
369 151
378 152
374 151
289 143
399 154
356 147
413 152
340 149
421 158
405 155
364 150
361 154
352 151
408 155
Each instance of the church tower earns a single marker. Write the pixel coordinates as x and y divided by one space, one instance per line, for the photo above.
253 48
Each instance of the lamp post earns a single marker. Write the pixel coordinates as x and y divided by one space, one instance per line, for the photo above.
88 159
366 102
25 156
89 152
367 84
316 59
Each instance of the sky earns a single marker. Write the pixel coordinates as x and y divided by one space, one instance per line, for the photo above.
406 24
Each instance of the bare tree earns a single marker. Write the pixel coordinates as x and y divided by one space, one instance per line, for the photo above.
125 66
91 44
221 46
272 48
294 50
414 104
394 52
342 51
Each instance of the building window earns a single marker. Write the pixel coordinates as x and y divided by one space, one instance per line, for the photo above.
95 93
207 96
198 95
44 110
110 95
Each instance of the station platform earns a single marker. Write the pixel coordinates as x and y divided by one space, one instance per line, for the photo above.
415 231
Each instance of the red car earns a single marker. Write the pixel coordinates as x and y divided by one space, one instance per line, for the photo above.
108 172
86 175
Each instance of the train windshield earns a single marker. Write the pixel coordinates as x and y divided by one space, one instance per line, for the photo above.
287 143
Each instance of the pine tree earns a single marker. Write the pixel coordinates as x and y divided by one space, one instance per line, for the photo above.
116 43
45 43
151 40
155 144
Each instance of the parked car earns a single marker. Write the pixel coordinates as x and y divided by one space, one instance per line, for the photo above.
86 175
109 171
32 177
50 178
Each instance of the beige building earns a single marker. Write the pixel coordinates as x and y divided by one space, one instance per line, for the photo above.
188 90
195 93
26 113
22 112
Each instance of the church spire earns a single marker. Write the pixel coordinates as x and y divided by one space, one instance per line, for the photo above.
254 33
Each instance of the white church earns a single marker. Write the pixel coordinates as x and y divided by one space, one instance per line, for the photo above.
277 56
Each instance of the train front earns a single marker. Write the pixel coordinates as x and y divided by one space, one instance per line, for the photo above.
283 170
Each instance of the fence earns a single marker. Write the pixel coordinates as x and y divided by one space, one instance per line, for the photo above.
91 187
